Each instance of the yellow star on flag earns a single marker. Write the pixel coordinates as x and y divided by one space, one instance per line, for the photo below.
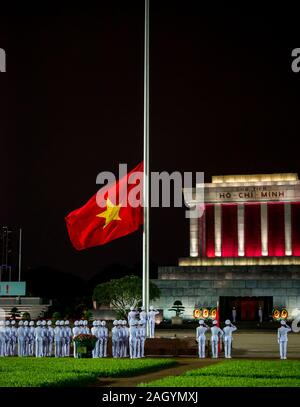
111 213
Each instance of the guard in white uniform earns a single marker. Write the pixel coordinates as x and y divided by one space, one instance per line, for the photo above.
38 340
201 338
229 328
26 338
86 329
233 314
216 335
57 339
50 334
45 337
21 342
142 338
125 339
75 331
133 334
131 315
7 338
260 315
151 320
14 338
95 332
143 314
2 338
282 337
115 336
68 338
31 339
104 335
81 327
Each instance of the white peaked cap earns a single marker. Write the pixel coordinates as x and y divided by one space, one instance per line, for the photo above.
49 322
142 308
31 323
13 322
44 322
131 308
151 307
1 323
21 323
227 322
57 322
124 322
95 323
201 322
85 322
67 322
283 322
103 323
26 322
76 323
215 322
7 323
62 322
38 323
81 322
115 322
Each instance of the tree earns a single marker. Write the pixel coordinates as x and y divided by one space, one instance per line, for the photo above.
178 308
14 312
25 316
123 293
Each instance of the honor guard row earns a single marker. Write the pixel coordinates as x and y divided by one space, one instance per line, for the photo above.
128 341
148 317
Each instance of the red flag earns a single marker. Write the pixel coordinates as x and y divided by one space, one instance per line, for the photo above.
113 212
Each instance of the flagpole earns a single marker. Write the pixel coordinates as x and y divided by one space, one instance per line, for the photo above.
146 165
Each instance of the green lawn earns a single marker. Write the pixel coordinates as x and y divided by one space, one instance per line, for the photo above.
237 373
32 372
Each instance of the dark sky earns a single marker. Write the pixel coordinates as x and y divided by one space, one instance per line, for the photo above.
223 99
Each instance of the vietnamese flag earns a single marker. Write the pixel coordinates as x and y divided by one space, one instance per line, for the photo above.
114 211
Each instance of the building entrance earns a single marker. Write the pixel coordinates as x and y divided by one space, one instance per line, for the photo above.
246 308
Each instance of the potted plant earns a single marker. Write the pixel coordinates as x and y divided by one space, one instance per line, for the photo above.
85 344
178 308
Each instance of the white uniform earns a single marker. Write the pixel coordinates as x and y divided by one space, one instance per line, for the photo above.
2 339
104 336
229 328
141 337
58 339
31 339
68 338
26 338
151 320
282 337
201 339
21 341
14 338
95 332
7 338
50 335
260 315
125 339
131 315
75 331
133 334
38 340
216 334
115 336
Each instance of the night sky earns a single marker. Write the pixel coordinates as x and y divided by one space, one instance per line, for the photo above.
223 100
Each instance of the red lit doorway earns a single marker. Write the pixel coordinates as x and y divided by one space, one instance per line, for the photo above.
246 307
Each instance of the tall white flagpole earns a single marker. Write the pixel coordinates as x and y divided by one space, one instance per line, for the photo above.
146 164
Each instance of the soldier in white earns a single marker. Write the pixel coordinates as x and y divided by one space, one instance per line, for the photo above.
143 314
104 335
260 315
133 333
151 320
21 342
45 337
50 335
201 338
95 332
86 329
229 328
68 338
75 332
31 339
7 338
14 338
131 315
115 337
216 334
142 337
125 343
57 340
283 339
26 338
38 340
62 339
81 327
233 314
2 338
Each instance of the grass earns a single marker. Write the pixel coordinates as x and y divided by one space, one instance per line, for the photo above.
246 373
32 372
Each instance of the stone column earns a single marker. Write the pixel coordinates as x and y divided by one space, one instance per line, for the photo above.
218 230
287 229
241 229
194 237
264 228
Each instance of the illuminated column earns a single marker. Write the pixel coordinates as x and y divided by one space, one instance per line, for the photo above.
194 237
218 231
241 230
287 229
264 228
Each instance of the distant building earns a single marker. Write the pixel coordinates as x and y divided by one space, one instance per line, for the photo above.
244 249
